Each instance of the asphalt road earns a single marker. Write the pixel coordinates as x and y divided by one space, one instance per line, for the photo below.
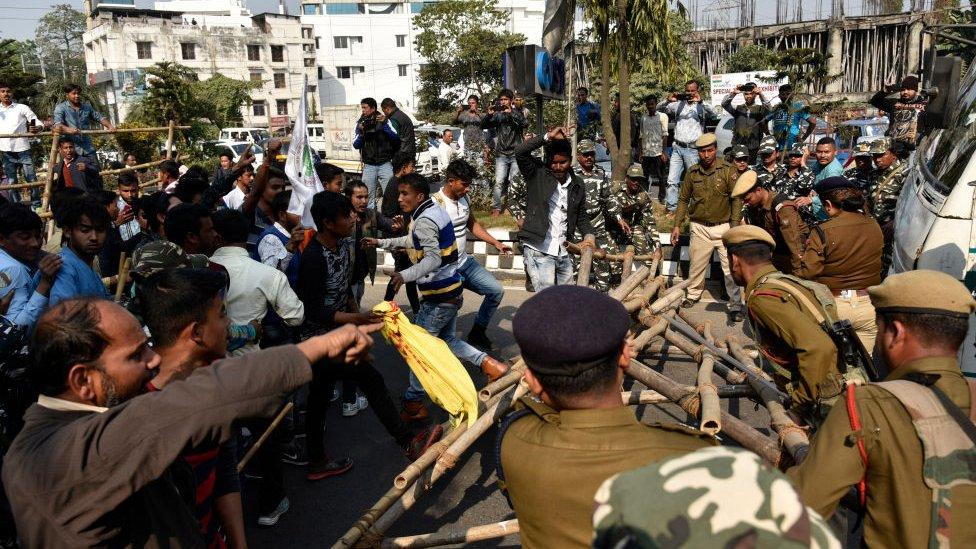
468 496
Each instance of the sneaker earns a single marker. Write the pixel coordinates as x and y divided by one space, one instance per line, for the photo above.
413 410
294 453
270 519
328 468
423 441
350 409
335 395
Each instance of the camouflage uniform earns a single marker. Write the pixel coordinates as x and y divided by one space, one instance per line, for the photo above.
713 497
886 186
865 181
637 211
766 178
601 208
796 185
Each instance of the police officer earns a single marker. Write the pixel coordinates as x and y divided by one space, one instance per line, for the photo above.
883 439
786 314
768 168
862 172
844 254
635 205
706 198
775 214
739 157
558 447
600 207
889 177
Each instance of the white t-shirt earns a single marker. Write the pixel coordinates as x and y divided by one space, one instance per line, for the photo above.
459 211
235 198
13 119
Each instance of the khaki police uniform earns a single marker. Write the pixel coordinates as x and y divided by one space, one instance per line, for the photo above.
779 217
706 200
898 468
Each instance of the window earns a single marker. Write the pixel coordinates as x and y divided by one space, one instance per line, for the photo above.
318 44
256 78
311 9
347 72
342 9
309 61
189 50
282 105
344 42
279 80
144 50
258 108
306 32
402 70
277 54
401 40
253 52
320 73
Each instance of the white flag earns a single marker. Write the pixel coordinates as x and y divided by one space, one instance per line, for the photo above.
299 166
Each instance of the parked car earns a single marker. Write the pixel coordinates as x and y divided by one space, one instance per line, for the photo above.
236 148
251 134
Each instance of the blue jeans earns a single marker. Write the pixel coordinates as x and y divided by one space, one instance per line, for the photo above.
505 168
547 270
682 158
373 174
23 159
440 319
480 281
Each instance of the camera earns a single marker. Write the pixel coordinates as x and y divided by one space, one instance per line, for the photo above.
682 96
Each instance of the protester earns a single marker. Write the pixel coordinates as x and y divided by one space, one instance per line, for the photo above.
827 164
403 126
690 114
111 447
168 172
110 255
242 187
15 151
447 151
369 223
378 143
792 121
509 125
279 245
469 118
331 176
391 209
85 222
268 182
128 194
903 111
190 227
29 273
750 118
654 137
74 115
587 115
75 171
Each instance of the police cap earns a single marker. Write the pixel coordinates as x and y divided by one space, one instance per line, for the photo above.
862 149
795 150
740 151
880 145
767 145
922 292
566 330
835 182
706 140
157 256
635 171
744 183
743 234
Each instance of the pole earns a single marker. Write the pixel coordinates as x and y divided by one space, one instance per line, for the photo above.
586 261
540 128
454 537
264 436
169 140
46 197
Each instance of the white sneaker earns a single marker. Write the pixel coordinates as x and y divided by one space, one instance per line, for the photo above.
352 408
270 519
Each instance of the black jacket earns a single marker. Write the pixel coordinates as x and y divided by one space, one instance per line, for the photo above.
404 127
539 186
88 180
509 128
377 141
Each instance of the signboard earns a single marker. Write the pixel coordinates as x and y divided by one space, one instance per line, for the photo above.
280 121
531 70
724 83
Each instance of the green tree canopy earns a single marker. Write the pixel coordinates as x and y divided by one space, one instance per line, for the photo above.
12 74
59 42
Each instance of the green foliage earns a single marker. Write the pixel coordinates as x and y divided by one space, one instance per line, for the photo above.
59 42
750 58
225 97
52 92
21 83
947 46
463 52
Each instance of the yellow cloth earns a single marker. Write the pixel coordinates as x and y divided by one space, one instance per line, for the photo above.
439 371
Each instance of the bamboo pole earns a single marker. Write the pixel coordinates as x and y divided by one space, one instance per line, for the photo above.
415 469
454 537
632 282
56 130
644 296
46 197
150 183
169 140
603 254
734 427
628 263
23 186
634 398
131 168
711 417
124 266
501 384
264 436
586 261
740 354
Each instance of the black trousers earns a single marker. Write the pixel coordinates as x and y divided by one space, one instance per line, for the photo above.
655 168
370 382
267 461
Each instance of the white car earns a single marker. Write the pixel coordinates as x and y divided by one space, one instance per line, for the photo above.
250 135
236 148
934 219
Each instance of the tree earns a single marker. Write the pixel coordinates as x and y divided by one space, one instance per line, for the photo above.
223 98
59 42
11 72
629 33
463 48
750 58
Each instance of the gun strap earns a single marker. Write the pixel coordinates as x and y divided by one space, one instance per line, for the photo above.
804 301
862 485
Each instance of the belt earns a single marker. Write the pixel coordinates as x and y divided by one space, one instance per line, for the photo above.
683 144
709 223
847 294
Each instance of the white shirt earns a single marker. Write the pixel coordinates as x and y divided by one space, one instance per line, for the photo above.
459 211
254 287
556 235
235 199
687 126
13 119
445 154
272 252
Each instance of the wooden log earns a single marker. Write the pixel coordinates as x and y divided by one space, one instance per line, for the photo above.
740 354
603 254
629 285
628 263
655 328
151 183
586 261
125 265
501 384
735 428
644 295
23 186
711 417
264 436
414 470
131 168
454 537
169 140
634 398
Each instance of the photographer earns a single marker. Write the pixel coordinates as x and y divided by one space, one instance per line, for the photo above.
377 140
750 118
509 125
690 116
903 111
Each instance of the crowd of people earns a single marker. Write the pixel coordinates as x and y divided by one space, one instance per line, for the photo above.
132 414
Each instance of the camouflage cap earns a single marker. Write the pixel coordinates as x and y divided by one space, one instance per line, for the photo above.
796 150
862 149
740 151
715 497
880 145
635 171
157 256
767 145
586 146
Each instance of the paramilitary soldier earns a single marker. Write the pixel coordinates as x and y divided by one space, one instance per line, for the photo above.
768 168
601 208
889 177
777 215
862 172
635 205
575 432
788 315
844 254
906 443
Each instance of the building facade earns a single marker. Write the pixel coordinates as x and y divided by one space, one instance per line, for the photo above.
366 49
274 49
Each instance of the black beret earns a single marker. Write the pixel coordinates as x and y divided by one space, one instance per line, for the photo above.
563 330
833 183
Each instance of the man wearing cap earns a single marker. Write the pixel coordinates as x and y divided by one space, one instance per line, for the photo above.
600 208
908 441
777 215
635 206
889 177
574 432
784 312
796 179
750 117
903 110
706 199
862 172
739 157
768 169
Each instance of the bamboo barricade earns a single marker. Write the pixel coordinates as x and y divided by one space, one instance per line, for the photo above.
56 130
711 416
742 356
634 398
600 253
264 436
46 195
628 263
586 261
501 384
621 292
453 537
125 263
